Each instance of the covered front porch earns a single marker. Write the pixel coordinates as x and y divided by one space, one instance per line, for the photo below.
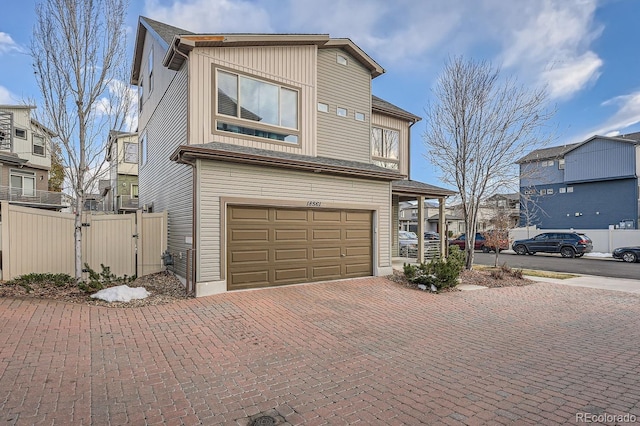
411 190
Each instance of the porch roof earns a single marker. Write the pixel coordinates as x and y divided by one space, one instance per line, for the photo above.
413 188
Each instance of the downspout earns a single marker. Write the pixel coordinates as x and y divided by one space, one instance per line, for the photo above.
191 256
409 151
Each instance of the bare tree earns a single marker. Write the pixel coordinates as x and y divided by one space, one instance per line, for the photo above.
497 238
78 49
477 128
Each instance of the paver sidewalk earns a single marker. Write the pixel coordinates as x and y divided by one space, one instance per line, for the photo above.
365 350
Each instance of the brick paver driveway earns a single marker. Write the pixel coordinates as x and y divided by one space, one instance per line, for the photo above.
363 350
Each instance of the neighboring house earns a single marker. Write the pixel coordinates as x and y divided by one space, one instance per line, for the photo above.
25 159
273 159
454 223
588 185
120 192
491 209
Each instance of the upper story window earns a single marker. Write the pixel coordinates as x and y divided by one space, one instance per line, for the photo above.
359 116
130 152
143 149
342 112
38 145
20 133
385 147
341 60
261 108
561 164
323 107
150 68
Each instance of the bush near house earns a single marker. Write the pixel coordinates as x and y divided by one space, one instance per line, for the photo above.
439 272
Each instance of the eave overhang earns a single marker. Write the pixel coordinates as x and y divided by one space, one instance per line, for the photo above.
186 154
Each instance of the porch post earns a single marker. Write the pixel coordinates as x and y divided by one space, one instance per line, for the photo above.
442 227
420 229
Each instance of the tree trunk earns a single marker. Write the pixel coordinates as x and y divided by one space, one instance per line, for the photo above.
77 235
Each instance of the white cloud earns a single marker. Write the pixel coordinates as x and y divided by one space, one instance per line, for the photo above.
6 97
7 44
627 114
125 97
212 16
550 40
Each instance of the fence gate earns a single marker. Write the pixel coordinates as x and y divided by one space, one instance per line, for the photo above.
39 241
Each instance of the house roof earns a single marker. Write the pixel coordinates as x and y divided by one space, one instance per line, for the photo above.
416 188
546 153
381 106
512 196
561 151
180 42
284 160
11 158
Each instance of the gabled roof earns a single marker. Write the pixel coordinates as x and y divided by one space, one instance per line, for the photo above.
561 151
381 106
180 42
414 188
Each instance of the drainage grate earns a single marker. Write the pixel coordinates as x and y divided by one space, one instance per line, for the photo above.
263 421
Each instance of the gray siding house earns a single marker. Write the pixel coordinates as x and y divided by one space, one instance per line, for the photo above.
275 163
588 185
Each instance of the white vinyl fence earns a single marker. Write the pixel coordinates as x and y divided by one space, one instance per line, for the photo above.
39 241
604 240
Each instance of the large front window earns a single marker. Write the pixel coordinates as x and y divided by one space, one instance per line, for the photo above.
252 100
384 147
23 184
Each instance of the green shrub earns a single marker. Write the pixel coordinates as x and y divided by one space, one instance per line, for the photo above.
98 281
441 273
27 280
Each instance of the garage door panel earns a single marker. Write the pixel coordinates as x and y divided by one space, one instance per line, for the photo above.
253 256
300 254
299 274
259 235
287 235
326 272
296 245
326 216
253 214
326 234
291 216
327 252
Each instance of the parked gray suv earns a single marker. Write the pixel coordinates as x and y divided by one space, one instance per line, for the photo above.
568 244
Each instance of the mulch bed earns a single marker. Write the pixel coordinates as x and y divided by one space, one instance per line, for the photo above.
473 277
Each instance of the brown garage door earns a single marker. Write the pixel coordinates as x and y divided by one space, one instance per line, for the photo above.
270 246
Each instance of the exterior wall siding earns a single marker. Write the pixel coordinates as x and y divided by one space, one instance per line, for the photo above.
386 122
24 147
345 87
166 184
598 204
535 175
601 159
219 179
293 66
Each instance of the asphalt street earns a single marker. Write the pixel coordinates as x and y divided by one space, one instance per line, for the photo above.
555 262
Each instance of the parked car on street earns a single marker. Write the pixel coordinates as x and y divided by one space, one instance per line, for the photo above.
407 243
628 254
430 235
568 244
479 244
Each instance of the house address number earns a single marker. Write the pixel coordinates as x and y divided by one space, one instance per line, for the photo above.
314 204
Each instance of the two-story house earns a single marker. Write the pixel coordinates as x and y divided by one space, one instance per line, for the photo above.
273 159
454 222
588 185
25 159
120 191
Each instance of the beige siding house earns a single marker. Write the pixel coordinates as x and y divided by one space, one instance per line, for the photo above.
273 159
120 191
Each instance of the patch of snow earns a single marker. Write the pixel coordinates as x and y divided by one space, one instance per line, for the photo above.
121 293
596 254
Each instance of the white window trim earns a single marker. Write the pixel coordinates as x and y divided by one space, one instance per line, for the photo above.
322 107
360 114
15 132
33 145
23 175
150 70
342 60
340 109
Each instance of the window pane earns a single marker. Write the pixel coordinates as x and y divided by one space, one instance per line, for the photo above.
227 94
390 144
29 186
258 101
376 142
289 108
16 182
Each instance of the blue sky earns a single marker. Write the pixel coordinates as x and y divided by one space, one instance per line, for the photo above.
584 51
